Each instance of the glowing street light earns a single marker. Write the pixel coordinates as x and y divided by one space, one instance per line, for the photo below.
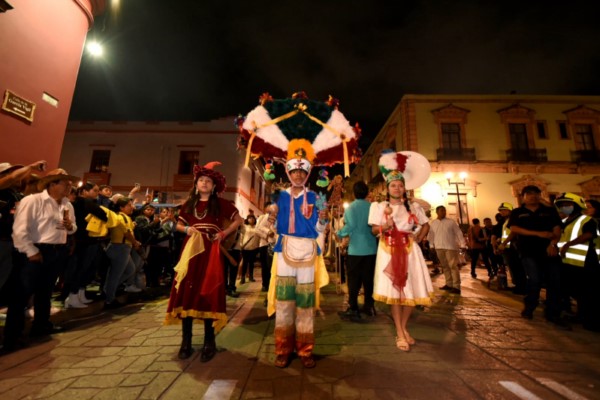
95 49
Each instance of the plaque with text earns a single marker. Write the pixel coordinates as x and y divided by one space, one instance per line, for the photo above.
18 106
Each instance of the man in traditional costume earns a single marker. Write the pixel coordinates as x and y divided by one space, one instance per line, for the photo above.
305 133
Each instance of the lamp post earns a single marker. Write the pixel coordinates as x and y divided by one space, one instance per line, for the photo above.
462 176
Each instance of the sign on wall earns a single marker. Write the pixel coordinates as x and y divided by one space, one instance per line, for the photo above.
18 106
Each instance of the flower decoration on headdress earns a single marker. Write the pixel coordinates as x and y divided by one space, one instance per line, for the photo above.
265 98
268 174
333 102
282 129
239 120
323 180
391 165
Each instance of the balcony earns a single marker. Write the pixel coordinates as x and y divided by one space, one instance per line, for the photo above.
183 183
461 154
586 156
527 155
99 178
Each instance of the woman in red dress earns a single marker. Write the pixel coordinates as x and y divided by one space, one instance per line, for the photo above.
198 290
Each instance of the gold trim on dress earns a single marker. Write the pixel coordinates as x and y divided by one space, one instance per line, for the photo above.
423 301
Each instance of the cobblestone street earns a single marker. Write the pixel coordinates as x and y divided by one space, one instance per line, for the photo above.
473 346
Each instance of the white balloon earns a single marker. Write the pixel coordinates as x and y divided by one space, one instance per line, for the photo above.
417 170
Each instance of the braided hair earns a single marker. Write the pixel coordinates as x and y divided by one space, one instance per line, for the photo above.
406 204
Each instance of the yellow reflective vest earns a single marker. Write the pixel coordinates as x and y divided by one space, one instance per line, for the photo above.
576 253
98 228
505 233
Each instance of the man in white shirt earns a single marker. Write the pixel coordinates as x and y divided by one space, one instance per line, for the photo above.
447 238
42 223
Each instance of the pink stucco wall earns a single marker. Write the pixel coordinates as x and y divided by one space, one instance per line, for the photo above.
41 44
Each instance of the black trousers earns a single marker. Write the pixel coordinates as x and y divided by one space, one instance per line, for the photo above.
361 272
265 263
248 264
159 260
231 270
475 259
517 272
36 279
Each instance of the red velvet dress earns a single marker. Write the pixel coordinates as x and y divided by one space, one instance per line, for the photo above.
201 292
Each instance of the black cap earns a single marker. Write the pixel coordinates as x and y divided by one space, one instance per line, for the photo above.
147 205
530 189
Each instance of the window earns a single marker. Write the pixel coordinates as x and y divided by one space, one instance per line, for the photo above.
187 160
562 130
451 136
100 159
541 129
518 136
584 137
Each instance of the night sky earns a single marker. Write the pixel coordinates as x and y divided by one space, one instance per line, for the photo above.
196 60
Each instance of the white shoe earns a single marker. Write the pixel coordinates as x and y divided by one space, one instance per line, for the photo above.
82 297
73 301
132 289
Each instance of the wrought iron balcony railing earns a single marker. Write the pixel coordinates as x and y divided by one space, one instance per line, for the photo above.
527 155
462 154
588 156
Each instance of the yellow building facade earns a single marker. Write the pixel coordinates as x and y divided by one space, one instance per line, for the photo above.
483 149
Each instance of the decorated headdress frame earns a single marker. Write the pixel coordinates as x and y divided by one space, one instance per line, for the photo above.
299 128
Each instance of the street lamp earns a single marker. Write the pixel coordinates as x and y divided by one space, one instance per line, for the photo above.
95 49
462 178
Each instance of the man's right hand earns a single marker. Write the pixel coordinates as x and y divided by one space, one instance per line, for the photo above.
39 165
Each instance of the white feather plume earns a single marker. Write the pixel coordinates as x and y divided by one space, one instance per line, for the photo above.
388 161
327 139
270 133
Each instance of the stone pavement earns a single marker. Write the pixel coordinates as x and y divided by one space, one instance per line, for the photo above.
473 346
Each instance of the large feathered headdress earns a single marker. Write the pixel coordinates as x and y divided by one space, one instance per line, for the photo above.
407 166
301 131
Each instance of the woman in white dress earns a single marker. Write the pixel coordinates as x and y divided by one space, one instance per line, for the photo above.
401 275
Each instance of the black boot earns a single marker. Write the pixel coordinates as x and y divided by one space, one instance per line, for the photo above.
210 347
186 350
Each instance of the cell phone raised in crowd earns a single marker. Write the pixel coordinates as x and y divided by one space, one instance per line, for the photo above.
137 185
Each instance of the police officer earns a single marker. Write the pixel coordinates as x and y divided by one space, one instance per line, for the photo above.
538 229
505 246
578 230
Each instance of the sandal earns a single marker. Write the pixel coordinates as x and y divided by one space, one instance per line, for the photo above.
282 360
402 344
409 339
308 361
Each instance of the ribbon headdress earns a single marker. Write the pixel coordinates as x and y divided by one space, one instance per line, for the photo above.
298 129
